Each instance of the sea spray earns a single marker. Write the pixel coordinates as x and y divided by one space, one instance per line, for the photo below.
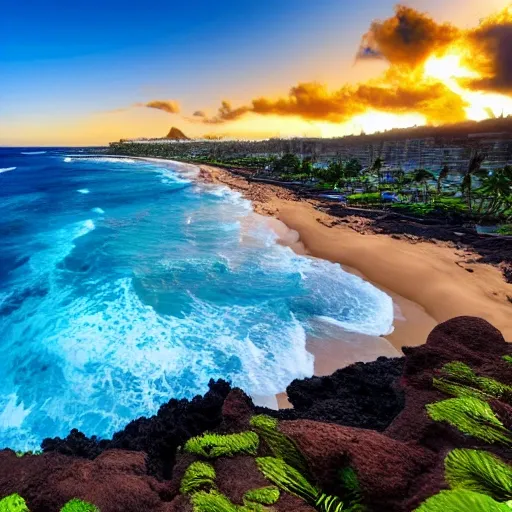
106 317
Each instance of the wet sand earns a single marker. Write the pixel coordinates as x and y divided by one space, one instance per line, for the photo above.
425 280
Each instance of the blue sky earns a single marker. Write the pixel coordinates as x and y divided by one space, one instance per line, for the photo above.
63 62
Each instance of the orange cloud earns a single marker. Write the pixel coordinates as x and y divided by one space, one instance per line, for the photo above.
169 106
408 41
409 37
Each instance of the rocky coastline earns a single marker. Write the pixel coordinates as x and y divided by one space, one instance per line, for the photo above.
370 419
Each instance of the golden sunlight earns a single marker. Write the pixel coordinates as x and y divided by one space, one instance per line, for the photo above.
480 105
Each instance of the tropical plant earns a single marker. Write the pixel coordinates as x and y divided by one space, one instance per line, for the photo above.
282 447
376 169
459 380
198 475
462 501
506 229
422 177
291 481
264 495
479 471
13 503
216 445
443 174
474 167
77 505
472 416
497 186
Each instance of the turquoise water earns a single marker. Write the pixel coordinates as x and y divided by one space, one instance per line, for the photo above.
125 283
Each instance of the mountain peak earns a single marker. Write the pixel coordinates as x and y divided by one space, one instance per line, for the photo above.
176 134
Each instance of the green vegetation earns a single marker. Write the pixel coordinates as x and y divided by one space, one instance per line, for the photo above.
472 416
216 445
459 380
280 445
198 475
462 501
77 505
367 198
479 471
13 503
506 229
479 481
214 501
265 495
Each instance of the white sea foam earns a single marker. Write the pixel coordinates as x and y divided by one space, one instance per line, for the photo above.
7 169
98 159
83 191
99 211
33 152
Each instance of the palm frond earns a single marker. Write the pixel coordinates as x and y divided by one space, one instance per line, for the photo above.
198 475
479 471
471 416
461 501
216 445
460 380
282 447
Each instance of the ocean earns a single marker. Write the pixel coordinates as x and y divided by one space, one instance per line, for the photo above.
124 283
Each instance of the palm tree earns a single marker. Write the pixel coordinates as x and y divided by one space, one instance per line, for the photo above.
475 163
422 177
497 186
376 168
442 176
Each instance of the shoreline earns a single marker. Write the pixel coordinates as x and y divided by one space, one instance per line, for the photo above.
425 277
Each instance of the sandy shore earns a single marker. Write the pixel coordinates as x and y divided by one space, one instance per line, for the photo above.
424 279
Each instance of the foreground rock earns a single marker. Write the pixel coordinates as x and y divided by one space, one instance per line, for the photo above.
369 419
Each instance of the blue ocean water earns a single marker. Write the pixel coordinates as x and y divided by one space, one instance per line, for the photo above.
124 283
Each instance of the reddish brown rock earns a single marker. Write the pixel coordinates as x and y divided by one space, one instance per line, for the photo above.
386 468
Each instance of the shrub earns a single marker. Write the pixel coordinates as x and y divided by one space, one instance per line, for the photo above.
13 503
77 505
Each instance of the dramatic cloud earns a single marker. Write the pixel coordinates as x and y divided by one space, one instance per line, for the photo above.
492 57
171 106
422 78
409 37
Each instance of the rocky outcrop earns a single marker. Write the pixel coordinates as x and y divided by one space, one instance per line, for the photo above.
371 421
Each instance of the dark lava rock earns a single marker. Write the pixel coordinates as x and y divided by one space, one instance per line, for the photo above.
158 436
364 395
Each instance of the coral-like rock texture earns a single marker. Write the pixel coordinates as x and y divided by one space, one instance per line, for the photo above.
361 439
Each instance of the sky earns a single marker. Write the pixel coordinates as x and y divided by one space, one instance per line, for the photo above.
85 74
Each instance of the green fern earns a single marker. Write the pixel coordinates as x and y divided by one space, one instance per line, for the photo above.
13 503
462 501
77 505
282 447
473 417
507 358
214 501
216 445
479 471
287 478
198 474
291 481
265 495
351 489
460 380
